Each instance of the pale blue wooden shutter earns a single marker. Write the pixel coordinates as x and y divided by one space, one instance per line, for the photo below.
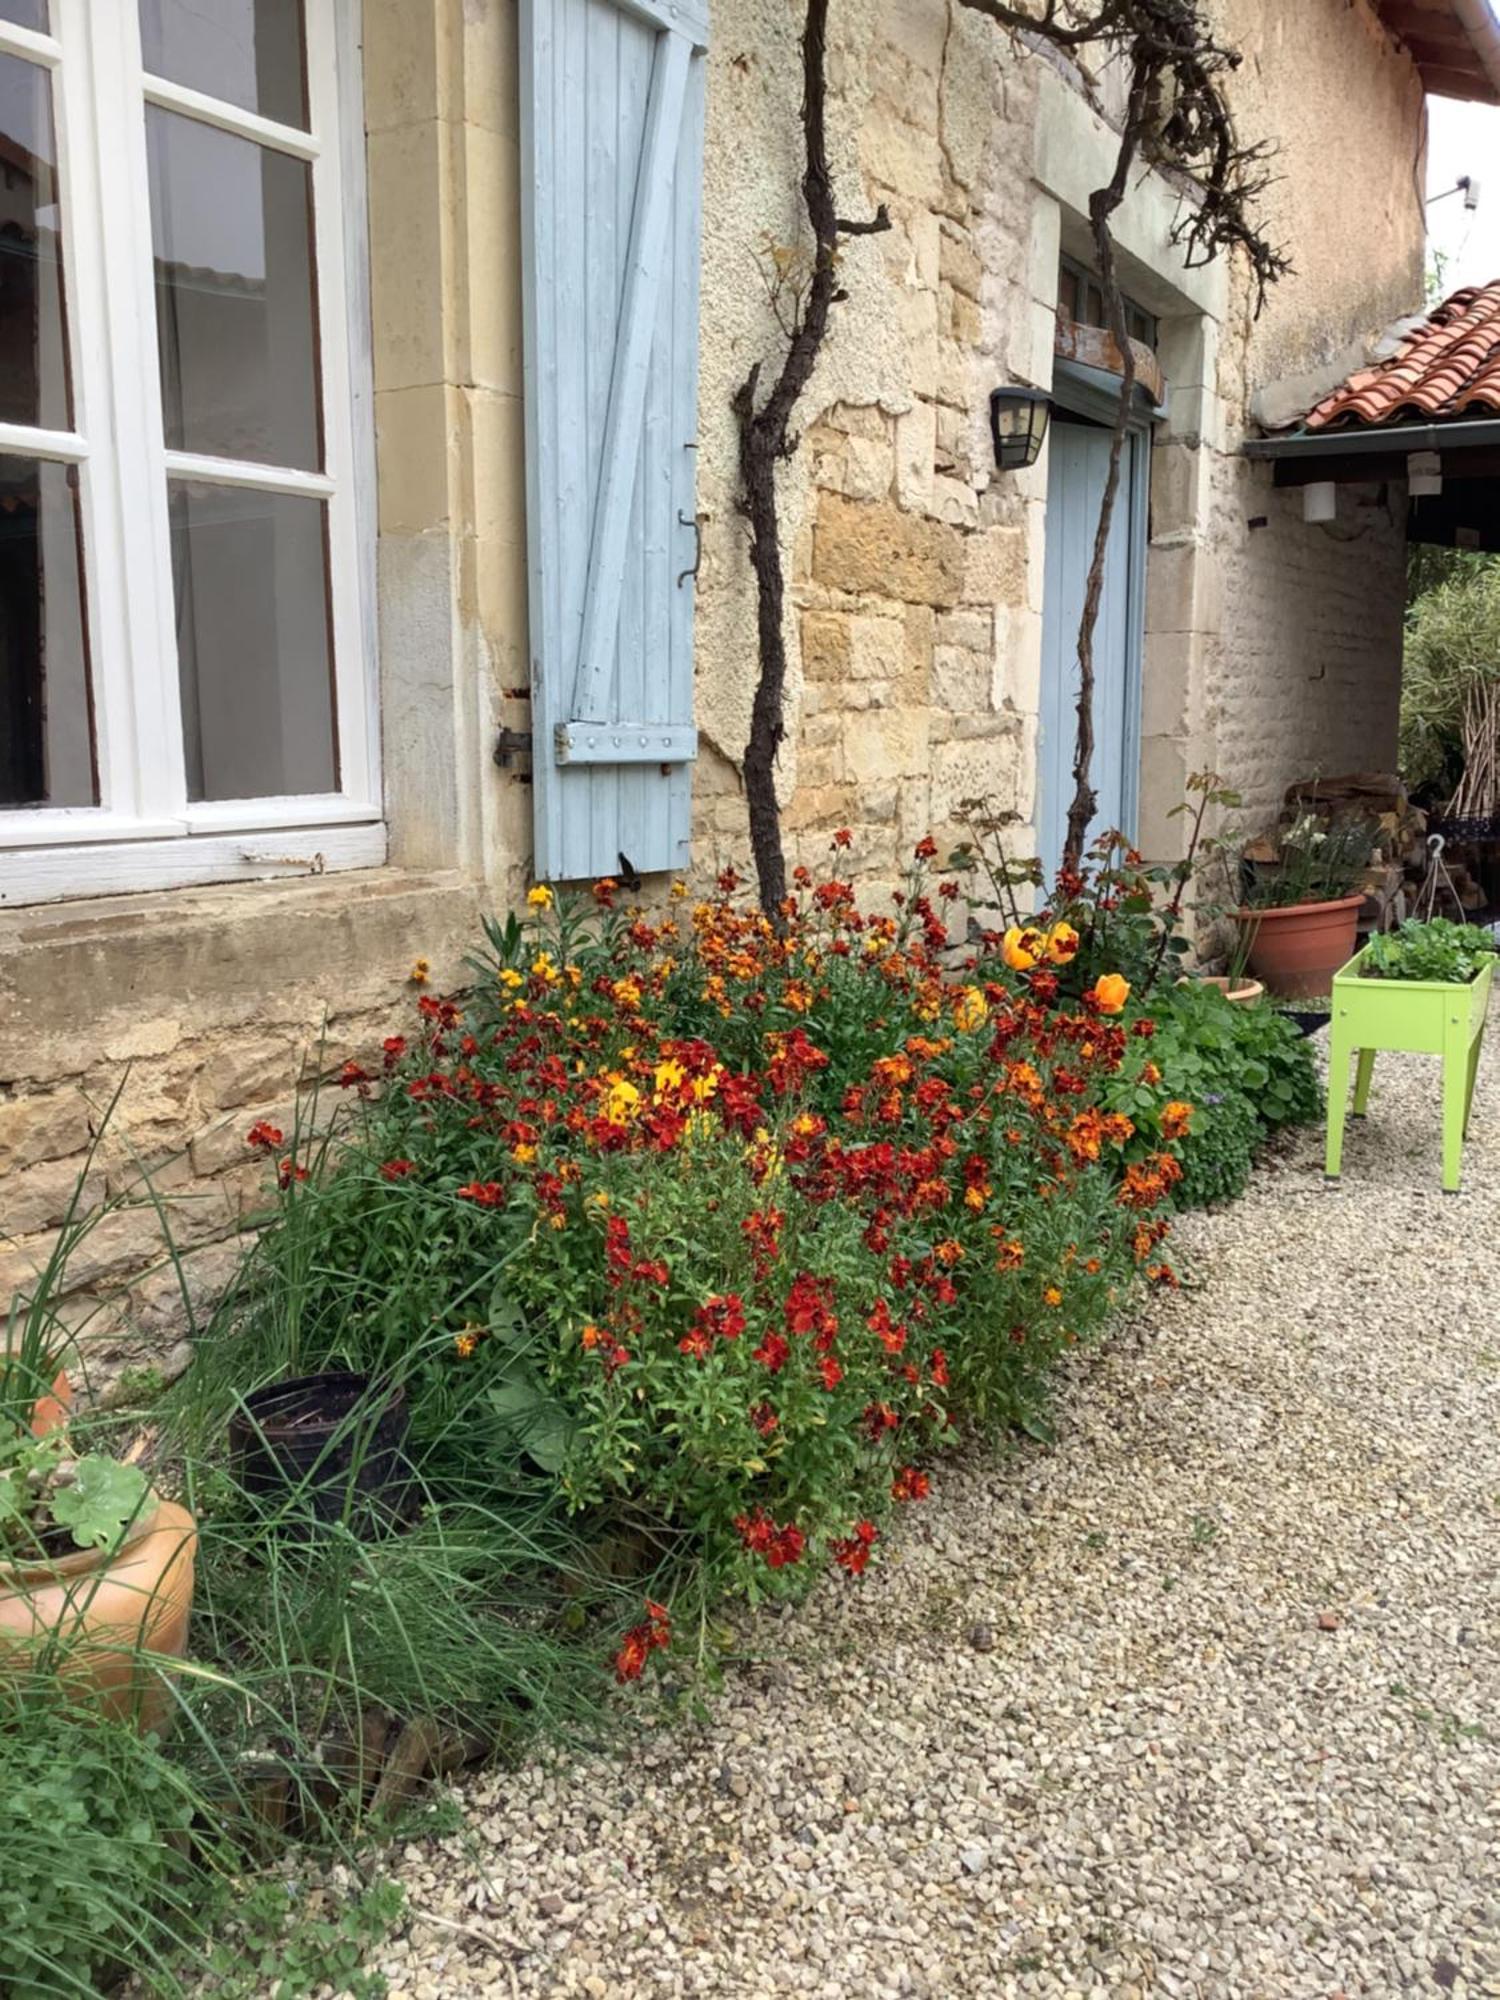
611 160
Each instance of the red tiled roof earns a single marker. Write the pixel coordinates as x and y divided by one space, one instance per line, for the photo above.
1447 367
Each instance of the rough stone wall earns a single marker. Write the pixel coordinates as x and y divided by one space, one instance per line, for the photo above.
1304 672
905 563
205 1010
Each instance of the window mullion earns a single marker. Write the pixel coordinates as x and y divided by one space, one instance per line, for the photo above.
139 702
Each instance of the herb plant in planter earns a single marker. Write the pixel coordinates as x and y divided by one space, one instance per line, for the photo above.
1424 988
1298 919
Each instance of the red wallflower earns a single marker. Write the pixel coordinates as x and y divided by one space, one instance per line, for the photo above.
830 1371
853 1554
484 1194
773 1353
641 1641
397 1170
264 1137
909 1484
761 1536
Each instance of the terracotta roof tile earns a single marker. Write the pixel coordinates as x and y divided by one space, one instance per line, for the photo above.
1448 367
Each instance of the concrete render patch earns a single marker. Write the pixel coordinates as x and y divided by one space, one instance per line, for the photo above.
1199 1702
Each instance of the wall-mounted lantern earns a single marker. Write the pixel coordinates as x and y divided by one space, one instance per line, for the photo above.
1018 425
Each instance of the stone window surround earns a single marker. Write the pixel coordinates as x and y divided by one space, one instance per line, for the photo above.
1074 154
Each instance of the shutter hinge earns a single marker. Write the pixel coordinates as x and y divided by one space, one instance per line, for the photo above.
509 743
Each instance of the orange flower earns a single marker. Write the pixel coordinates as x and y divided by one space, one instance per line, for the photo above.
1176 1119
1110 992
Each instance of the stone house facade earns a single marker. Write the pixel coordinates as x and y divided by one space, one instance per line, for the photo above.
217 948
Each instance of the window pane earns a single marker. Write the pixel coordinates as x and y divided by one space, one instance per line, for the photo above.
236 326
25 13
253 652
33 340
249 52
46 727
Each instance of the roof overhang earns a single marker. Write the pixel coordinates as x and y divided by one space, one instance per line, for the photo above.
1466 514
1321 450
1455 44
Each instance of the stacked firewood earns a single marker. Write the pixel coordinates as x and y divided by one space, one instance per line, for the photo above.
1399 864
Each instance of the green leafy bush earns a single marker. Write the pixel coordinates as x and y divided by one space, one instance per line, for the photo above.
1437 949
1212 1080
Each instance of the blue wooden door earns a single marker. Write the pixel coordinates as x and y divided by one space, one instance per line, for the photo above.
1078 462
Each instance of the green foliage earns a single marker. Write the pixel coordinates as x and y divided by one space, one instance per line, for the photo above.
294 1943
50 1499
1452 646
1321 861
1243 1071
1437 949
94 1824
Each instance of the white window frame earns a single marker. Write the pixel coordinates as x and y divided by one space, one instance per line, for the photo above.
144 833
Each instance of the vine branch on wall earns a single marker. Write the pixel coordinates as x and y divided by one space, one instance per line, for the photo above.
766 439
1176 117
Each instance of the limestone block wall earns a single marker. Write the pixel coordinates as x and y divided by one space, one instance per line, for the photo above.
195 1014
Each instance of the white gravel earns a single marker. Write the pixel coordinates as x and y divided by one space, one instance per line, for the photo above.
1204 1700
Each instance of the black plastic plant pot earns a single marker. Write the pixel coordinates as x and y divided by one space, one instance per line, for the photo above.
1309 1023
325 1449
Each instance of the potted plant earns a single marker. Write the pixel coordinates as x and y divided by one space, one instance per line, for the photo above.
96 1569
1298 917
96 1572
1422 988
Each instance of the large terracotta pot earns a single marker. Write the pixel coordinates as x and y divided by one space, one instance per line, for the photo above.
105 1609
1297 950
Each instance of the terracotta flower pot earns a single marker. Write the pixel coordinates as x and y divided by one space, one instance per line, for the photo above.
104 1608
52 1410
1297 950
1240 992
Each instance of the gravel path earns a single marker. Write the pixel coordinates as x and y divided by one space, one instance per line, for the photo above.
1204 1700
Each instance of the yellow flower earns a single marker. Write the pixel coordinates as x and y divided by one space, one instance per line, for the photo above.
1052 1296
670 1076
679 890
511 978
627 992
523 1155
1062 943
420 972
1110 992
970 1009
703 1087
1020 949
544 969
539 897
600 1199
465 1343
621 1099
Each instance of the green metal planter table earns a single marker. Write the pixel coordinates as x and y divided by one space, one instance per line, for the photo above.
1422 1016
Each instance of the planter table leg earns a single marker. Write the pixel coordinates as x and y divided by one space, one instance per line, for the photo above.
1364 1069
1339 1052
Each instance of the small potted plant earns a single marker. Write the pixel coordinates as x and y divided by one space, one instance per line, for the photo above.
1424 988
96 1569
1298 917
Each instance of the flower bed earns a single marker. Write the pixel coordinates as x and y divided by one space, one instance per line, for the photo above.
690 1243
727 1228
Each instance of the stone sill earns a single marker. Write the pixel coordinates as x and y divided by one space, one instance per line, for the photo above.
121 977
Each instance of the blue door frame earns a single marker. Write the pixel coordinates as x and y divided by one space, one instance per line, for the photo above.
1077 455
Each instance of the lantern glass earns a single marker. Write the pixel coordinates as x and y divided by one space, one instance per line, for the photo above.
1018 426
